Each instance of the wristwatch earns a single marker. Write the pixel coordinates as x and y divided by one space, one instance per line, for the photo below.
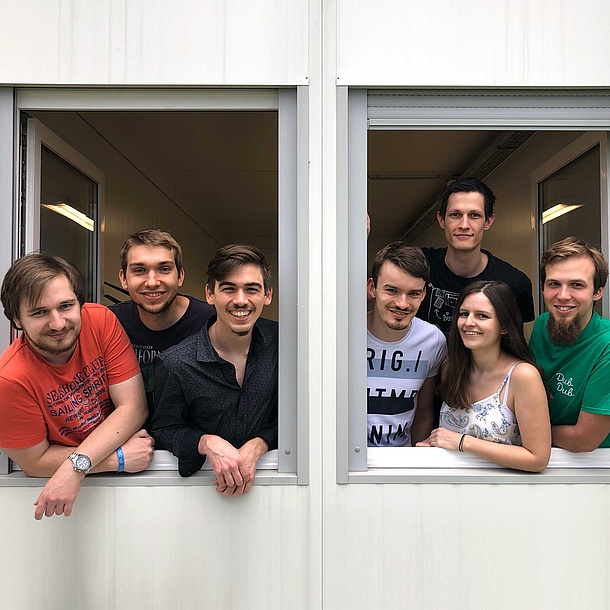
80 462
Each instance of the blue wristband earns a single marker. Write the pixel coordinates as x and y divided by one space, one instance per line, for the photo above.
121 456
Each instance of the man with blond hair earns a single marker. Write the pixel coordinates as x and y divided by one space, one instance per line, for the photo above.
571 342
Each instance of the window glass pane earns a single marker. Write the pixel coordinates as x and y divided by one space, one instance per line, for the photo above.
570 203
68 216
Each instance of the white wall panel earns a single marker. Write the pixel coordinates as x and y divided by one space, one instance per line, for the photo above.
449 547
473 43
157 549
177 42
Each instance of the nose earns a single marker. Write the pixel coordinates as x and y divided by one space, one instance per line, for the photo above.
564 293
469 321
151 278
464 221
401 301
240 298
56 320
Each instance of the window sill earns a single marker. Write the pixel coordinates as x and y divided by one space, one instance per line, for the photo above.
433 465
163 471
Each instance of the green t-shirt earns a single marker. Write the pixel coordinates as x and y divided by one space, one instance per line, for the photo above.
578 375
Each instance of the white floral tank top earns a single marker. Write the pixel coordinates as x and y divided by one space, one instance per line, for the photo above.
489 419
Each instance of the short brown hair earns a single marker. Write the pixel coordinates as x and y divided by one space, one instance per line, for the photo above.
231 257
152 237
408 258
572 247
28 276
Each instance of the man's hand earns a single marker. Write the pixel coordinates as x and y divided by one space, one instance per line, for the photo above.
60 492
138 451
250 452
227 463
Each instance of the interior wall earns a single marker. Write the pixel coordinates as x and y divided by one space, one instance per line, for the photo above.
138 196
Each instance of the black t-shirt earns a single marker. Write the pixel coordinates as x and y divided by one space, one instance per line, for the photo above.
444 287
148 343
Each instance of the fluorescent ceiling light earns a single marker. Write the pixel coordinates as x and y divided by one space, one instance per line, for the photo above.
558 210
72 213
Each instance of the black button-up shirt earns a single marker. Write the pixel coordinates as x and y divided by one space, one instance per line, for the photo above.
196 393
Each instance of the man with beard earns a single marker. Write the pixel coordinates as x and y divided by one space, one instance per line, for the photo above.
216 393
571 343
72 394
404 353
156 317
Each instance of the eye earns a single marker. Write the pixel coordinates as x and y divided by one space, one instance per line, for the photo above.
483 316
391 290
165 269
38 313
138 270
551 284
577 285
66 306
475 215
415 294
463 314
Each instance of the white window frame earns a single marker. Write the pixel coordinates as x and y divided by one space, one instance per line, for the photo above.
359 110
288 465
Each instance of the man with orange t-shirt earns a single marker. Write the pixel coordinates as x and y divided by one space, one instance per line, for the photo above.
73 397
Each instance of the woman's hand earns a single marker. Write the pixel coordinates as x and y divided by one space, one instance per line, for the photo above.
441 437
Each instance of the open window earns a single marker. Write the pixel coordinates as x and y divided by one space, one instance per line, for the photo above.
211 166
401 148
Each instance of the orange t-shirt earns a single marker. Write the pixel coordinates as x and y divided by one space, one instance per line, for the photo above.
63 403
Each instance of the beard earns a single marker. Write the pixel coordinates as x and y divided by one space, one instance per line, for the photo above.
159 308
46 343
563 332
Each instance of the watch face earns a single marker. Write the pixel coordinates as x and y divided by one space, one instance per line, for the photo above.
82 463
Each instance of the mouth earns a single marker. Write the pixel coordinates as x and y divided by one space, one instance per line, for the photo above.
240 314
58 336
400 313
153 295
562 309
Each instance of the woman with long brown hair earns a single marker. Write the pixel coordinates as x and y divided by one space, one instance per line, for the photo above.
495 402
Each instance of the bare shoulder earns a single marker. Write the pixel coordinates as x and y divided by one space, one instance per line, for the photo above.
526 374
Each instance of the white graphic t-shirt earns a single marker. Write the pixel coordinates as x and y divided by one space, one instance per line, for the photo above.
396 372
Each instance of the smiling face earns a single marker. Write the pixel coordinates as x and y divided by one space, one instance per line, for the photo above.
397 297
52 325
569 295
464 222
478 323
239 300
151 278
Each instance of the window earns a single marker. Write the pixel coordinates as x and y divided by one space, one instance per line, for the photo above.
538 124
111 126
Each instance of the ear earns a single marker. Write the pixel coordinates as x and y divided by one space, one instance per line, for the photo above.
440 220
181 276
269 296
503 332
122 279
599 294
209 295
17 324
370 288
489 221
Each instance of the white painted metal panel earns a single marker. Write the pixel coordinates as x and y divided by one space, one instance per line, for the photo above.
473 43
183 42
